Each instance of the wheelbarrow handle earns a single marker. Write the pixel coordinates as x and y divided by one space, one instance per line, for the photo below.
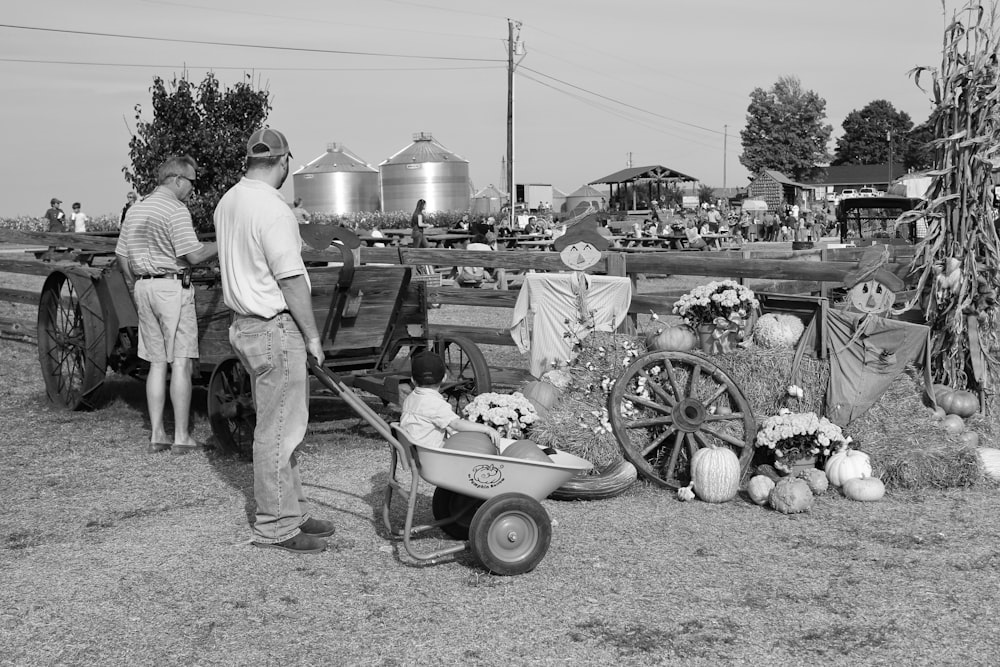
331 381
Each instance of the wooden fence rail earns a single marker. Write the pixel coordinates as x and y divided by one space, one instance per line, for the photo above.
812 271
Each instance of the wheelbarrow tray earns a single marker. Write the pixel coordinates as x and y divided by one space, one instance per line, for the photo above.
484 476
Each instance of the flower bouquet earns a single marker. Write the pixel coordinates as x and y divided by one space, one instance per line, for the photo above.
722 311
793 436
511 414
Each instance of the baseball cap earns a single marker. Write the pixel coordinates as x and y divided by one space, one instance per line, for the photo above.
266 142
427 368
55 200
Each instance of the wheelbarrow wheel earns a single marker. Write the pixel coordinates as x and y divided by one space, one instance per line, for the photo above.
668 405
230 408
510 534
468 372
71 339
447 504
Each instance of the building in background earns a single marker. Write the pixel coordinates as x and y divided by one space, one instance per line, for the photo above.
337 182
425 170
488 201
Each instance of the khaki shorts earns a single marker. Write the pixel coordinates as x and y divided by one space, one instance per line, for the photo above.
168 324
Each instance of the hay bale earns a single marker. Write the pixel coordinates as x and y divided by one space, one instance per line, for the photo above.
764 376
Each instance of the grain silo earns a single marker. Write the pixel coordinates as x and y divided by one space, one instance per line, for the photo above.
425 170
488 201
338 182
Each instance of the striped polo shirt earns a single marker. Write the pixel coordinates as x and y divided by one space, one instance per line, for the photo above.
156 232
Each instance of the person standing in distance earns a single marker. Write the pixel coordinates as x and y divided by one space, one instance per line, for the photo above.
265 284
79 219
156 247
129 201
55 216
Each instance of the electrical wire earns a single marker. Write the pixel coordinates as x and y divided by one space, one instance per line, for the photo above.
255 68
298 49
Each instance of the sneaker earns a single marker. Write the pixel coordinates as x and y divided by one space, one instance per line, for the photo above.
302 543
318 527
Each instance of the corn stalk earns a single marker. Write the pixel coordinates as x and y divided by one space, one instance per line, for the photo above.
957 264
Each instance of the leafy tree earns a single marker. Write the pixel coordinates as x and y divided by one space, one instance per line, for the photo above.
785 130
919 154
209 124
867 134
706 194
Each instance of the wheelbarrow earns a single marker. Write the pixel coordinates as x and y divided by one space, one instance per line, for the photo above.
490 502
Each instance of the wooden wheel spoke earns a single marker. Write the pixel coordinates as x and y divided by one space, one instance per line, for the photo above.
668 368
656 442
725 437
718 393
729 417
653 421
674 455
658 389
646 403
693 381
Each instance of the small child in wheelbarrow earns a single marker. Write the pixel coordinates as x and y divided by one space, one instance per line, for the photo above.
429 420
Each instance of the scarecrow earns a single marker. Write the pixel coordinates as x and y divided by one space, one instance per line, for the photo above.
555 311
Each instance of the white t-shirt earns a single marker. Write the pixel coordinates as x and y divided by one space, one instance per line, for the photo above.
259 243
79 219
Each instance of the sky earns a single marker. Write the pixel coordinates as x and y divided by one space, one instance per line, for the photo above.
599 85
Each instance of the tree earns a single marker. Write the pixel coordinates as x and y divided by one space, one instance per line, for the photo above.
706 194
785 130
209 124
867 134
919 154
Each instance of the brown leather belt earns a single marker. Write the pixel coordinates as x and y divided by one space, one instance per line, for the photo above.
172 276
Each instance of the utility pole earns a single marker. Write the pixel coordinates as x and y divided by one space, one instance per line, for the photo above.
888 137
513 46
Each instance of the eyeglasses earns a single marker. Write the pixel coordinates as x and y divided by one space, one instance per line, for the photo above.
187 178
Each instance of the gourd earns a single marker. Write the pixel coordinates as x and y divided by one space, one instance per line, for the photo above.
956 402
816 479
791 496
527 450
715 473
672 339
777 330
970 439
759 488
952 424
847 464
471 441
543 393
866 489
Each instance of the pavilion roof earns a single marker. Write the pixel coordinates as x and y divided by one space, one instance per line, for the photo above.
651 172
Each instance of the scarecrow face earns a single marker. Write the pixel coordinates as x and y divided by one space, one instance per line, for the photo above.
872 297
580 255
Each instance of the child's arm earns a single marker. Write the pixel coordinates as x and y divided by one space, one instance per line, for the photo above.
466 425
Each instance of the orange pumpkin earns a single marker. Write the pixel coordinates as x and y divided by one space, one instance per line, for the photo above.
956 402
525 449
471 441
672 339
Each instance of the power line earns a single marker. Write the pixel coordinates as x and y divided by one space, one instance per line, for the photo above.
298 49
236 67
624 104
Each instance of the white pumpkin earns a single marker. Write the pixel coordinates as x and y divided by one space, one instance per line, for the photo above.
777 330
864 489
847 464
759 488
715 474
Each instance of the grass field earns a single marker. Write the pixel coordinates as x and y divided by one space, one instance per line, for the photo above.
113 556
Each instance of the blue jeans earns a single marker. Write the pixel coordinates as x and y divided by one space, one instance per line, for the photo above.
274 353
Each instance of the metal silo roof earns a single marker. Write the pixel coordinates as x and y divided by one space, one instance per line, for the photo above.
337 158
423 149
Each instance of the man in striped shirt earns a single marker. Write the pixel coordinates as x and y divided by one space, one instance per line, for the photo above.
156 246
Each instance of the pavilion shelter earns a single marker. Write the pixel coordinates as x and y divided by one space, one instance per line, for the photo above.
652 180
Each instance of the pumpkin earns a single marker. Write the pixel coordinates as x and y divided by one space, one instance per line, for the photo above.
847 464
791 496
541 392
759 488
778 330
471 441
816 479
936 414
956 402
864 489
715 473
970 439
953 424
525 449
672 339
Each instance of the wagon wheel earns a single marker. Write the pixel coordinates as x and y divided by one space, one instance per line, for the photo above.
468 372
230 408
510 534
71 339
667 405
448 504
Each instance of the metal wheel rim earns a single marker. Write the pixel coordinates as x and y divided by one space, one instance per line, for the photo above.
661 429
512 537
